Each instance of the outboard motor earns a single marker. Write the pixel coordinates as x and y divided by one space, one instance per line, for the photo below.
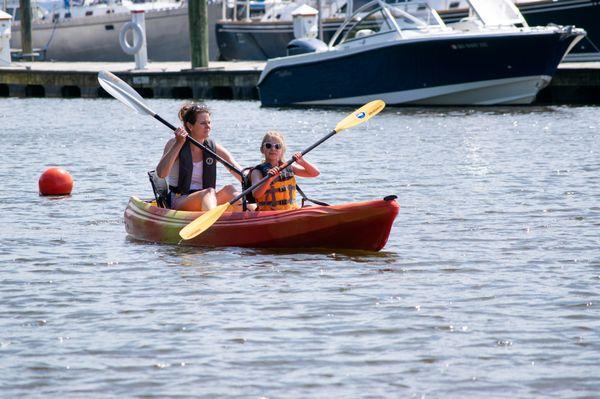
304 46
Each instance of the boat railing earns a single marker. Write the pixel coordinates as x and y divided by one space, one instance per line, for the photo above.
279 10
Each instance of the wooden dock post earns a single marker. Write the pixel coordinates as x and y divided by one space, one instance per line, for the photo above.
198 21
26 43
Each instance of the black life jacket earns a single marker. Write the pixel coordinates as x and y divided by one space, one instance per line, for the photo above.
186 166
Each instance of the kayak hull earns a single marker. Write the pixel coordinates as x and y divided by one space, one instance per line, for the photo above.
357 225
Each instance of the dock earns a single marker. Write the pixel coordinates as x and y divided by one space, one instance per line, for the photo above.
220 80
573 83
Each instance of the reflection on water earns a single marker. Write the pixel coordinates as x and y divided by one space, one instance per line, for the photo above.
487 285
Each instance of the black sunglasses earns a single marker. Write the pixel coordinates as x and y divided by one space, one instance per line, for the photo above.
269 145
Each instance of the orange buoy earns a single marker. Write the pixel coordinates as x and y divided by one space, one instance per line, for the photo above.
55 181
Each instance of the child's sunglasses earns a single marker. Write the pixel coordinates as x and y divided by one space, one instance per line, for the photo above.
269 145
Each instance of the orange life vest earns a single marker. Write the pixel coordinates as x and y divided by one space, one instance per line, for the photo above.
281 194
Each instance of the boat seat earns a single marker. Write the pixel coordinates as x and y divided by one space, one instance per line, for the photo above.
160 189
467 25
363 33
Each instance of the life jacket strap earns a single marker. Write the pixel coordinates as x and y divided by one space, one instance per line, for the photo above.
274 203
305 198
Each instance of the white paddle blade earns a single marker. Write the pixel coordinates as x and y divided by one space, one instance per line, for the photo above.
123 92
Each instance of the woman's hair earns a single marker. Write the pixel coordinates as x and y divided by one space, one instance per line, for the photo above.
190 111
273 134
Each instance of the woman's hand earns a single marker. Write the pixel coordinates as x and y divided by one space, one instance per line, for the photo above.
180 135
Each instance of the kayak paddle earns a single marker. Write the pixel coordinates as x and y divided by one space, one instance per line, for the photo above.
203 222
125 93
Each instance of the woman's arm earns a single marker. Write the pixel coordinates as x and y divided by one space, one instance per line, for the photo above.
171 153
303 168
226 155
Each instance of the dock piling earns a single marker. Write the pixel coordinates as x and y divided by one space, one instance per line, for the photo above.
198 22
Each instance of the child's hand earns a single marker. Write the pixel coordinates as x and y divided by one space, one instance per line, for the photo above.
274 171
298 158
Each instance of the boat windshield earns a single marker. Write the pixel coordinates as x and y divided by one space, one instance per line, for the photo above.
368 24
497 12
377 18
415 15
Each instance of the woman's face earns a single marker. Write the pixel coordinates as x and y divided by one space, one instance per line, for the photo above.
201 129
272 149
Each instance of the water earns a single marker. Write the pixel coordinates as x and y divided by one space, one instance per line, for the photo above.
488 285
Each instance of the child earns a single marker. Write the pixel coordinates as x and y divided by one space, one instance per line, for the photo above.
279 191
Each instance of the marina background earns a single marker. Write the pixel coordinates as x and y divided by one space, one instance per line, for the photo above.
488 284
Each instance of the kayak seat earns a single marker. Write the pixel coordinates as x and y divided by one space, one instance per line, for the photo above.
246 183
160 189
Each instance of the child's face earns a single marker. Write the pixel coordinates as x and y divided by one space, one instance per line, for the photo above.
272 149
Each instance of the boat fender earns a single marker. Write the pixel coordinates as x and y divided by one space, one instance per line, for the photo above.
390 198
138 38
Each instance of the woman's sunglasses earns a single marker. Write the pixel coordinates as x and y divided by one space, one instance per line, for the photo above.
269 145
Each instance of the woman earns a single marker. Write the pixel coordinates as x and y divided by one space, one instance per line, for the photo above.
279 191
190 171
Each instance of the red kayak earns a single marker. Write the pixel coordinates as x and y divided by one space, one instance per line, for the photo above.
355 225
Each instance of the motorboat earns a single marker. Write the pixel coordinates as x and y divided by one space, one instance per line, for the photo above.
581 13
89 30
267 35
404 53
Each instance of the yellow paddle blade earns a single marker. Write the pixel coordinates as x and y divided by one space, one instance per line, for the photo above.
361 115
203 223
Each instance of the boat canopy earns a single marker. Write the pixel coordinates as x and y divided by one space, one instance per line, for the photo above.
377 17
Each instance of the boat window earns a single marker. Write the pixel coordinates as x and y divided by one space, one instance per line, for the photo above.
10 10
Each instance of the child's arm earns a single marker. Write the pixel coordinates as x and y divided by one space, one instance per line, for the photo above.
303 168
257 176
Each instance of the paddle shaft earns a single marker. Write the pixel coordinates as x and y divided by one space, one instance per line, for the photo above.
200 145
285 165
128 96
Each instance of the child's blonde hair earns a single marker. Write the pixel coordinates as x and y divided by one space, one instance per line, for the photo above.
273 134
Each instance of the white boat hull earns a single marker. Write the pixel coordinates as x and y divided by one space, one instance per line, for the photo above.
96 38
522 90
